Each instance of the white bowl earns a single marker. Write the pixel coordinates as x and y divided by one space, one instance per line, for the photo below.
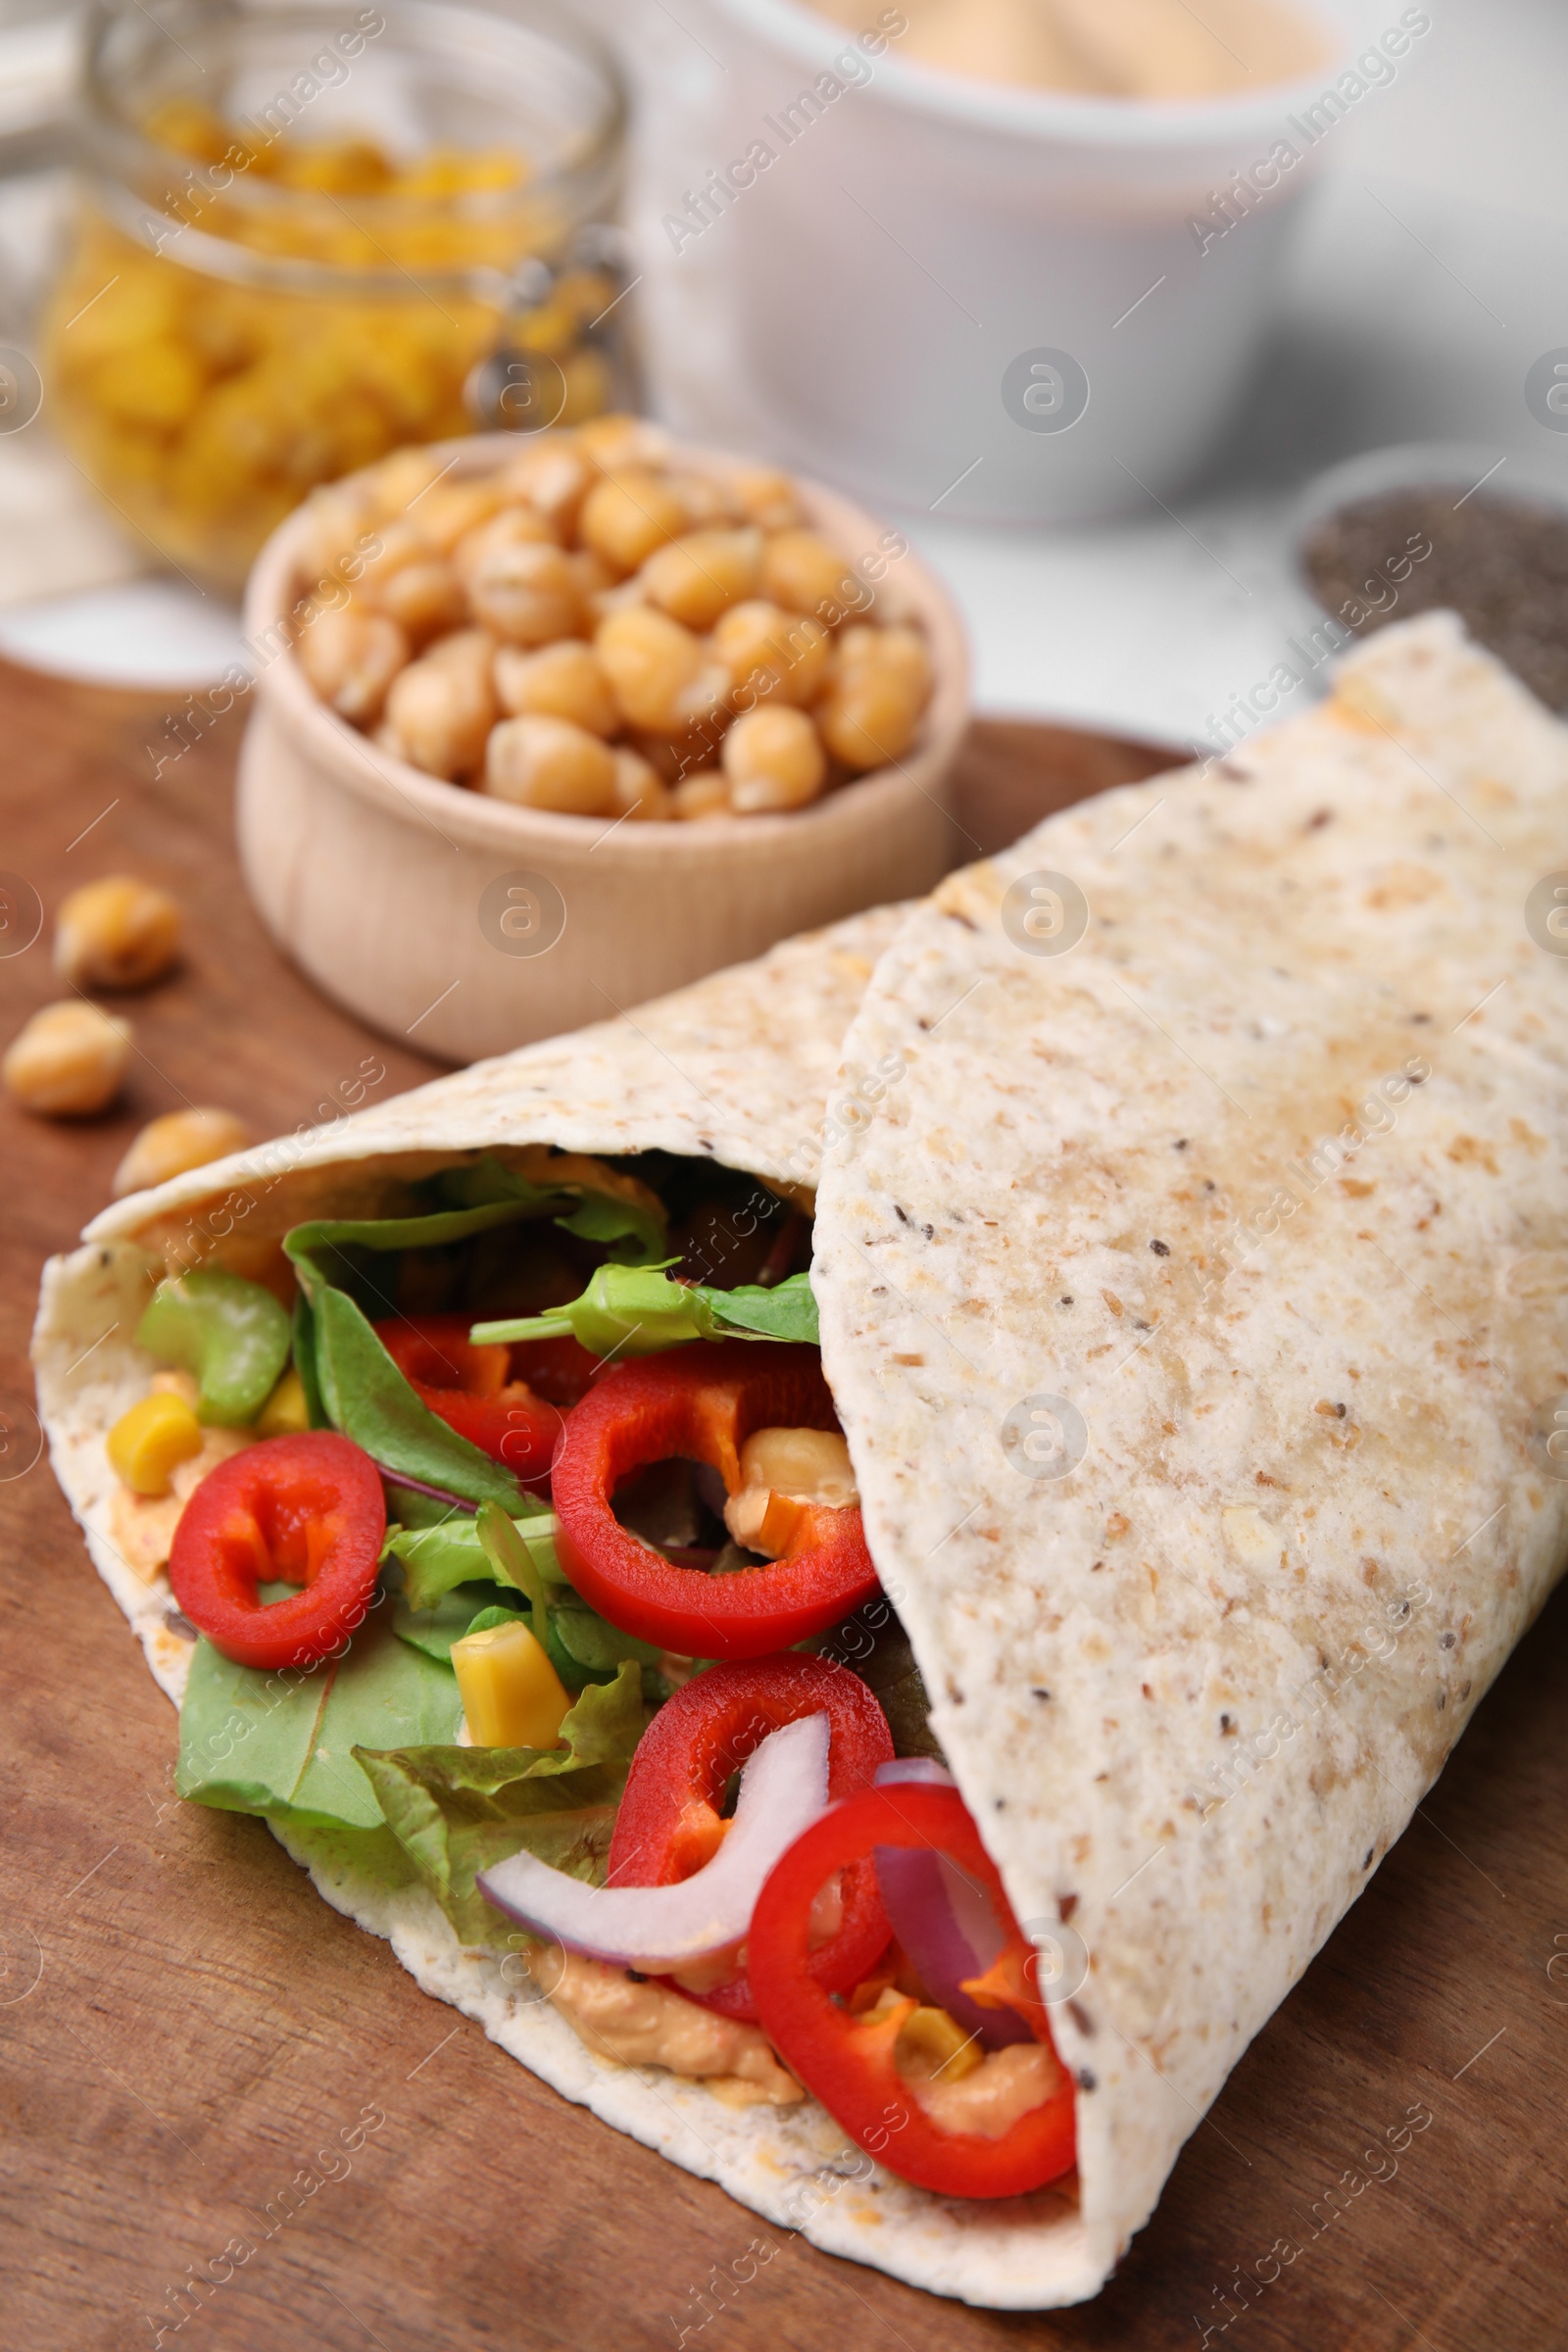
470 926
925 233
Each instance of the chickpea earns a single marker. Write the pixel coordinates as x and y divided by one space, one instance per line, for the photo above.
69 1060
553 477
703 794
450 509
804 573
697 578
514 526
441 709
611 442
659 671
351 658
549 764
708 499
424 599
899 652
399 479
397 544
769 650
869 713
527 594
625 517
558 681
340 517
641 794
675 755
117 933
766 498
179 1139
774 761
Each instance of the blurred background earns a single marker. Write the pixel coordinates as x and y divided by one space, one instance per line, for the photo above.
189 346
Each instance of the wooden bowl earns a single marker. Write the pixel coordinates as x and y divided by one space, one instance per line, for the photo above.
471 926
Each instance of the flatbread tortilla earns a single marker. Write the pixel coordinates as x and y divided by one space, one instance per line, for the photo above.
1105 1648
1195 1311
740 1068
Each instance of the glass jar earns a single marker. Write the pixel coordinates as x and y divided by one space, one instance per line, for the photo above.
304 231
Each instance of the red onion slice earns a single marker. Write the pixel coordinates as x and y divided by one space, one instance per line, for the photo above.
783 1791
944 1922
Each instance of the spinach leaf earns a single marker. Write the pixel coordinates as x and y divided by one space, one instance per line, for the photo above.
457 1810
282 1743
435 1630
787 1311
360 1389
632 1233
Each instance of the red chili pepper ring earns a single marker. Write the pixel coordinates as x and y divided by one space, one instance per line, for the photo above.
702 1401
668 1824
305 1510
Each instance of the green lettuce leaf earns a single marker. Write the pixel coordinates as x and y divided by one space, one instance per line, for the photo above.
435 1630
633 1234
457 1810
435 1558
282 1743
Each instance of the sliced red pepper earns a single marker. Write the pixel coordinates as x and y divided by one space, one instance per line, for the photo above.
669 1824
302 1510
474 1390
702 1401
849 2064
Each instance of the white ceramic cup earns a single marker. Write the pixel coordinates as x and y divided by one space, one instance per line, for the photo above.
991 301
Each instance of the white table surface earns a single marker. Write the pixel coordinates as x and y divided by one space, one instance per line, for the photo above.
1429 270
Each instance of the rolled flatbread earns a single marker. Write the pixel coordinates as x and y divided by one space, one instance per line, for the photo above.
1195 1312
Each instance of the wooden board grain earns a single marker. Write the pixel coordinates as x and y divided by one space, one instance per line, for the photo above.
195 2050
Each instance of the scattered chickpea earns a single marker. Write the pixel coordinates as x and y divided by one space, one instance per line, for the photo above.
769 650
528 595
558 681
697 578
805 575
69 1060
442 707
179 1141
351 658
774 761
117 933
658 672
625 517
549 764
703 795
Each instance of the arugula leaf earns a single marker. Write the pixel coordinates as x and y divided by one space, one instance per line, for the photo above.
639 1310
282 1743
458 1810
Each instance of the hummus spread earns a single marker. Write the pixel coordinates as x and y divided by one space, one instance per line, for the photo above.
645 2024
1148 49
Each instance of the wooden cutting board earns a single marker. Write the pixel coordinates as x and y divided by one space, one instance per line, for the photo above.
194 2048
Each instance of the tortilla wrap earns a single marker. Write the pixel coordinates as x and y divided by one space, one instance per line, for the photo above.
739 1068
1254 1199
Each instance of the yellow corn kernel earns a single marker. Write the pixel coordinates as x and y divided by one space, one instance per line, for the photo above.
511 1696
147 1444
284 1414
931 2042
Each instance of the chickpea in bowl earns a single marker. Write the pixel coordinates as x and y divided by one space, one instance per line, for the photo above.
599 631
